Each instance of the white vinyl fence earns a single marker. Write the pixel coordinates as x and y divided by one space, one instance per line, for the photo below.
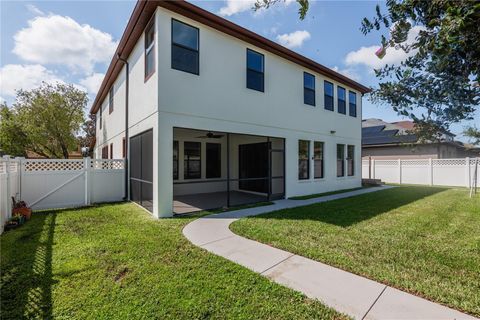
59 183
434 172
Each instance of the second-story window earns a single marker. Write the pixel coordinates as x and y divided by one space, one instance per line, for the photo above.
110 100
185 47
149 50
308 88
100 119
328 88
255 70
352 103
342 100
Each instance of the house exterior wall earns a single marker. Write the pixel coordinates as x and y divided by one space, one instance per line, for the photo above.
217 99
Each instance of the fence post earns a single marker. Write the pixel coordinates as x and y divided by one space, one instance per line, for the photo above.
86 168
430 166
373 169
369 167
467 172
400 171
9 192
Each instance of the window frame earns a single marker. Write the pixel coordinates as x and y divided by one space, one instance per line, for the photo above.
352 160
321 159
186 172
255 71
172 44
148 50
339 88
100 118
325 82
300 177
305 88
342 161
176 173
111 94
350 104
105 152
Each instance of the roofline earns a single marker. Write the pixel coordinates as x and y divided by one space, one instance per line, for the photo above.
144 10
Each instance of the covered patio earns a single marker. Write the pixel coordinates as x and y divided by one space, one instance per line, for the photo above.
214 169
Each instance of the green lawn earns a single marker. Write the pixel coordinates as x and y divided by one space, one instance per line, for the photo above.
316 195
420 239
116 262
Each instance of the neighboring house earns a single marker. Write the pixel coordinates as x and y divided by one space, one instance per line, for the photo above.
383 140
220 116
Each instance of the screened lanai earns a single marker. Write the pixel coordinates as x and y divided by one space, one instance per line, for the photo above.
214 169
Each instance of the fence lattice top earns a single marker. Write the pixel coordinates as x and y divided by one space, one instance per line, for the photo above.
53 165
104 164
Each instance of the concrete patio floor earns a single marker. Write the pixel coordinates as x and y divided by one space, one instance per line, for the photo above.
351 294
212 200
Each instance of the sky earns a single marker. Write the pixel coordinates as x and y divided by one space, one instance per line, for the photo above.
74 41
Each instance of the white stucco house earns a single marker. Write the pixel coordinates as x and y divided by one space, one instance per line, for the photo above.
218 116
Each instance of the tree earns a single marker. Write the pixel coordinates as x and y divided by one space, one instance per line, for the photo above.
44 120
438 84
12 137
474 134
88 138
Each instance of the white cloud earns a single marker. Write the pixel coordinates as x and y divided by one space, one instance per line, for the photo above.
34 10
347 72
61 40
15 76
92 82
237 6
366 55
294 39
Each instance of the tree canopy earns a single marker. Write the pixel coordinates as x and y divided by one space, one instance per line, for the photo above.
438 84
45 120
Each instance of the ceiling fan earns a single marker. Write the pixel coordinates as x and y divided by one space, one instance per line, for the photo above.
211 135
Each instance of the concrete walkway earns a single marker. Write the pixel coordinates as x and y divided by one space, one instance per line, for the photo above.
353 295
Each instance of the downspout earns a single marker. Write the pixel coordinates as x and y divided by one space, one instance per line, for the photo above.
127 153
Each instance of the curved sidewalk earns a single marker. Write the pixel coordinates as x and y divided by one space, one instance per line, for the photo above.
348 293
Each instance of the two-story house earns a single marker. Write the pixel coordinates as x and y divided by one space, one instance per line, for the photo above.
219 116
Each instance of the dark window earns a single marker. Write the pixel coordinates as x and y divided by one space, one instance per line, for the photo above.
318 159
105 152
111 150
303 159
175 160
192 163
110 100
340 160
328 87
214 160
255 70
350 160
100 119
185 47
352 103
309 89
342 97
124 148
149 50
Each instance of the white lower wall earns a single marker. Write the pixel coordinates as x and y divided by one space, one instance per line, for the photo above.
294 187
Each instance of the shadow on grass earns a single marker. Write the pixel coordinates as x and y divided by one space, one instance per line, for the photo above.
26 281
350 211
